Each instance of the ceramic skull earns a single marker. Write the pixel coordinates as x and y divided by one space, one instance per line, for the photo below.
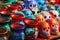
39 18
46 15
54 25
44 29
56 14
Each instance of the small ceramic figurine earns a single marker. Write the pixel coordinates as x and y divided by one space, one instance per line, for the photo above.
40 18
54 25
46 15
44 30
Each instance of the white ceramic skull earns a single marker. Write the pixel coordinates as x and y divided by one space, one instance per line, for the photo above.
32 4
46 15
56 14
35 11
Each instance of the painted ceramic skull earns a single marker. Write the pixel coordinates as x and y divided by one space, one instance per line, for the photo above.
45 28
40 3
56 14
35 11
46 15
39 18
54 26
32 4
59 23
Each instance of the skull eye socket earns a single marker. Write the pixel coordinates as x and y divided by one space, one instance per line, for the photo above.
33 12
39 3
30 5
48 27
52 25
38 19
48 0
43 28
37 11
45 17
47 30
55 15
49 17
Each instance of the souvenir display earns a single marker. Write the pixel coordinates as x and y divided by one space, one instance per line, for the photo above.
29 19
